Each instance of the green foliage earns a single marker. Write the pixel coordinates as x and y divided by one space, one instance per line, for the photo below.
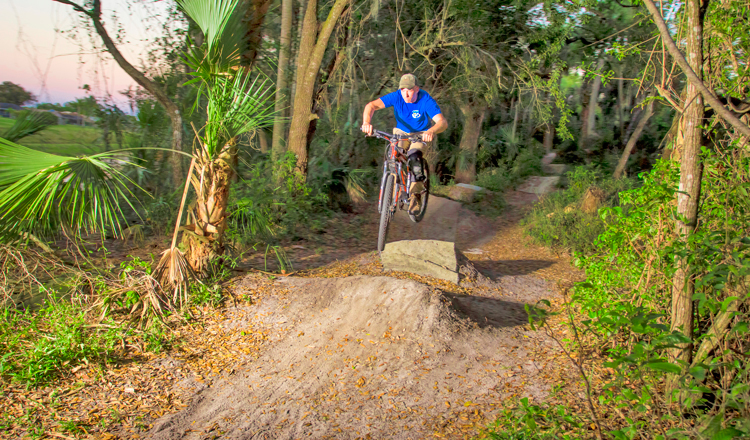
558 221
85 106
65 140
495 179
505 160
627 299
273 200
222 27
522 420
160 213
39 346
12 93
644 217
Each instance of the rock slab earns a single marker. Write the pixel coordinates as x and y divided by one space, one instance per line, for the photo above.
423 257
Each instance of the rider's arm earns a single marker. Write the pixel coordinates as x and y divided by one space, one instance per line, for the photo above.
440 125
370 108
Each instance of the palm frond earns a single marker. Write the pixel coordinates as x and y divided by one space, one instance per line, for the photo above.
28 123
39 192
173 272
354 183
221 24
235 106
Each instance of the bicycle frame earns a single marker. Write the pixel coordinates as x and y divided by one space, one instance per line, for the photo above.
395 163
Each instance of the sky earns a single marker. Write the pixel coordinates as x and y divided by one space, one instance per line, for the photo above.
36 53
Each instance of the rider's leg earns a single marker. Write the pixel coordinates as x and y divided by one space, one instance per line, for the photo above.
416 163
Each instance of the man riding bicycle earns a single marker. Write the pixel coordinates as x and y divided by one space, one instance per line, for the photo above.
413 109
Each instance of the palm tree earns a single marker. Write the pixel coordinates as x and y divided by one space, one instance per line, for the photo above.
236 103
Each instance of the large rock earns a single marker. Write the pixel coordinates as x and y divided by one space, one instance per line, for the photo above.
464 192
423 257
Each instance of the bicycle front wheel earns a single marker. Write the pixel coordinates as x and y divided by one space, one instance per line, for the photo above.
386 211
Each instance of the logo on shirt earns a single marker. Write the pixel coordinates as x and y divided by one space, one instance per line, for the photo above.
415 114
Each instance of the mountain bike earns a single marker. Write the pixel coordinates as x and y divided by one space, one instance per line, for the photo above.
396 181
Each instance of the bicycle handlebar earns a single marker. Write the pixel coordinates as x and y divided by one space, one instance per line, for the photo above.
396 137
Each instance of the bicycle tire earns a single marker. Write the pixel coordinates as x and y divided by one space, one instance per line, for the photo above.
385 211
416 218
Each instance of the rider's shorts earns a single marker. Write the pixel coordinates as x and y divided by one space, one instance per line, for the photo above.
405 144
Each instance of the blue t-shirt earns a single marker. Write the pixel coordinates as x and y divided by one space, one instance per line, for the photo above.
412 117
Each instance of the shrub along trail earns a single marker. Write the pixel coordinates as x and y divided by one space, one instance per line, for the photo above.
340 351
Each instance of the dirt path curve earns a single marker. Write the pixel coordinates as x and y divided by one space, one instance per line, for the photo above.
369 356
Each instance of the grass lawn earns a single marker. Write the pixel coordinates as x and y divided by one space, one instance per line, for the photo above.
65 140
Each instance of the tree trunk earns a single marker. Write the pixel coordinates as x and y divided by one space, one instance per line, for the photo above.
307 70
690 185
633 139
585 93
466 168
172 110
105 135
621 105
282 83
296 40
255 14
205 241
549 137
262 141
593 103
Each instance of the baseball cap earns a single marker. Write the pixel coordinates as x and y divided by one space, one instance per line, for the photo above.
408 81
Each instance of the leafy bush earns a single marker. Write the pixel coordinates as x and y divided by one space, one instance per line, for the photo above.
161 213
557 220
273 200
620 317
510 173
495 179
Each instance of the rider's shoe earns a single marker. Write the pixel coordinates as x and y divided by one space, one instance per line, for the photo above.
415 197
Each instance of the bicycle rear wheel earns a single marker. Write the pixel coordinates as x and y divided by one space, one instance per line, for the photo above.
386 211
416 218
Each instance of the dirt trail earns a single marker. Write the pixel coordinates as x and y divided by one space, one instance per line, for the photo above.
362 357
384 357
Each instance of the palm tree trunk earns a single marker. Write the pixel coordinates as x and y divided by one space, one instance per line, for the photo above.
282 76
204 242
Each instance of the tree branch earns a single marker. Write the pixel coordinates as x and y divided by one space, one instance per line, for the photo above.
172 110
710 98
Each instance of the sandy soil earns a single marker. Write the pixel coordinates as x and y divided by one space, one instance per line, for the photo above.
384 357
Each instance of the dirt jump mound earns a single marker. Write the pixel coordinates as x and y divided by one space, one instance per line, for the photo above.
363 357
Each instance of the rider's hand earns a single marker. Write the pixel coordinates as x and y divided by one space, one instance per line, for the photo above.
367 128
427 136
